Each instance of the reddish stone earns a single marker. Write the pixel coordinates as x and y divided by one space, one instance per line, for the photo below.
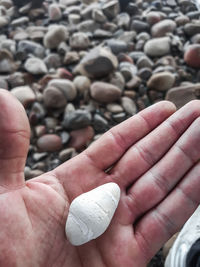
192 56
49 143
81 138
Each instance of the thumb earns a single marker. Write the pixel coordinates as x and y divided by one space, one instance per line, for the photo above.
14 140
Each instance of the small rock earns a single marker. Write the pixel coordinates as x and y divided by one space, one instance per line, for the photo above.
192 28
129 105
54 98
100 124
24 94
55 13
182 20
3 22
10 45
105 92
134 83
3 84
128 70
20 21
163 27
145 62
97 63
192 55
55 36
79 40
49 143
52 61
74 19
157 47
161 81
50 123
123 20
81 138
88 26
98 16
183 94
67 154
119 117
111 9
7 64
71 57
118 80
77 119
29 47
66 87
114 108
153 17
117 46
35 66
16 79
139 26
82 84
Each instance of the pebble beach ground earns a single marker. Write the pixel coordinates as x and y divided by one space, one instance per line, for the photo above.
81 67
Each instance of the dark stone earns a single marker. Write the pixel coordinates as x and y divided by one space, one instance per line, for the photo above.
77 119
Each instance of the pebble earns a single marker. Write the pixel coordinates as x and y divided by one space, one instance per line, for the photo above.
55 36
157 47
55 13
27 47
3 22
24 94
161 81
71 58
163 27
118 79
20 21
192 55
7 64
97 63
77 119
79 40
54 98
49 143
181 95
114 108
35 66
129 105
82 84
128 70
100 124
67 154
111 9
153 17
117 46
192 28
98 16
81 138
66 87
105 92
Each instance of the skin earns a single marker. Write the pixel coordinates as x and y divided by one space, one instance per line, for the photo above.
153 157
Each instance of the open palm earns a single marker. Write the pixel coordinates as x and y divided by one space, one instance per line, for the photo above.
153 157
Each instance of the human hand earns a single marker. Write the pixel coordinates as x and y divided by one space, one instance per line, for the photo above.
154 158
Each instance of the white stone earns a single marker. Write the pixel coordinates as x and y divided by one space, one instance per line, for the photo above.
91 213
35 66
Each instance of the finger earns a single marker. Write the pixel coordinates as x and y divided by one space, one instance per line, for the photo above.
152 187
112 145
14 140
157 226
142 156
